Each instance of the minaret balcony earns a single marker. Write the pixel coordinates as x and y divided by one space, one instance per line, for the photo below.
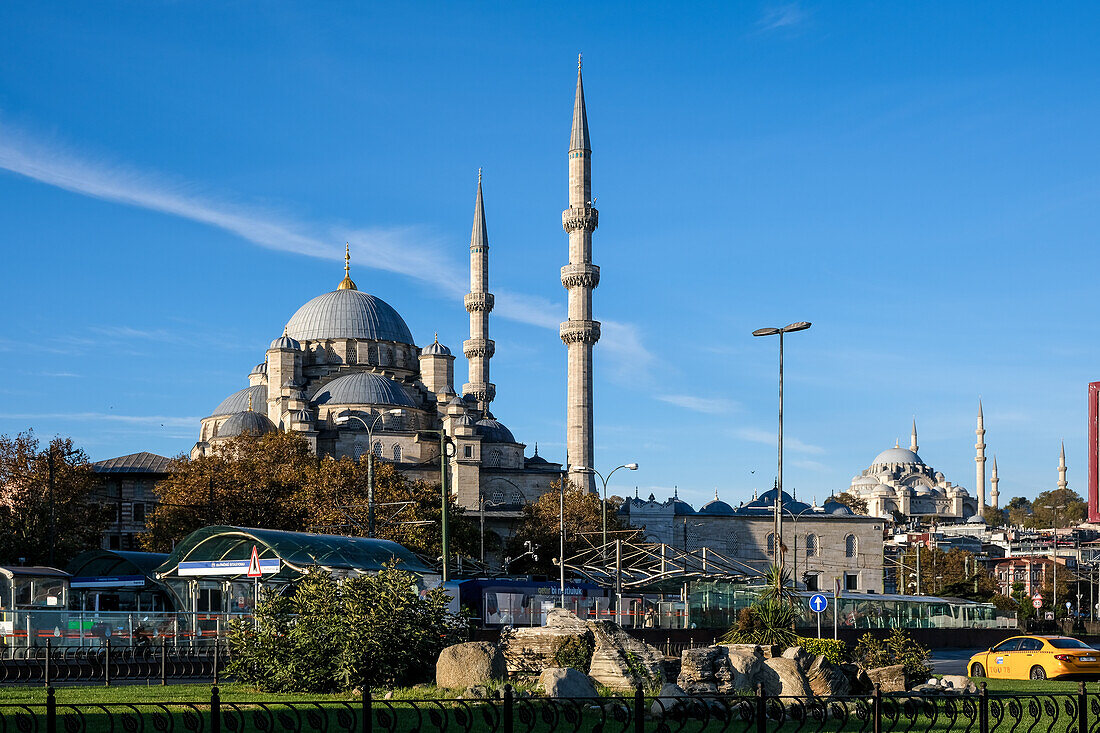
580 332
480 391
479 302
580 217
580 276
484 348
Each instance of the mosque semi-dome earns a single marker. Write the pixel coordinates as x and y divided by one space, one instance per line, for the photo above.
364 388
246 423
239 401
494 431
896 455
348 314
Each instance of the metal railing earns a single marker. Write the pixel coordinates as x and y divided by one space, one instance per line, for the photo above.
984 712
111 662
90 629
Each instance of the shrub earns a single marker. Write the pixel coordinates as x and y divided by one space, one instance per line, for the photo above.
324 636
833 650
573 651
899 648
765 622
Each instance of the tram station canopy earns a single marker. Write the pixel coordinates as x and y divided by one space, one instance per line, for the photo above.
116 563
296 552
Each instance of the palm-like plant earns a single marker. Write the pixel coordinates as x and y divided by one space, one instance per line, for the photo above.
779 587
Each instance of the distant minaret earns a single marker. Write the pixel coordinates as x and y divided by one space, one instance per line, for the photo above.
913 439
479 302
1062 483
994 494
580 333
979 459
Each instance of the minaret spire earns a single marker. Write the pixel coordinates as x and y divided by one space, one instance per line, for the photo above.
580 277
979 460
994 494
1062 483
479 348
913 439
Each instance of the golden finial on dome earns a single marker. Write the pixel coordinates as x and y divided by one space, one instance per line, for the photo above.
347 283
250 400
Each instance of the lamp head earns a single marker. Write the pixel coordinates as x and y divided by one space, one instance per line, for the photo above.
580 469
799 326
632 466
765 332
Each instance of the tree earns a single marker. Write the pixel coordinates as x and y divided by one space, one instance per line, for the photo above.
276 482
1019 510
540 527
857 505
994 517
1074 509
26 497
955 573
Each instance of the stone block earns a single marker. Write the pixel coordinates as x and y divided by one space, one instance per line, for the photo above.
889 679
473 663
566 682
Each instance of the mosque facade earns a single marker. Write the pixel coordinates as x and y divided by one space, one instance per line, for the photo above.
347 375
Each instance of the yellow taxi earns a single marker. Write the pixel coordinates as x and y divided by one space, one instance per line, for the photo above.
1036 658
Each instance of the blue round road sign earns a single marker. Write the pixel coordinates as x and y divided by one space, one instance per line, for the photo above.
818 603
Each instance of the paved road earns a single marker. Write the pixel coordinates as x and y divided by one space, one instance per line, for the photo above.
951 661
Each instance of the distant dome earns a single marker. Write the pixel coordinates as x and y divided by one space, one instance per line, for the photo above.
896 455
716 507
464 421
680 508
493 431
246 423
363 388
864 481
260 368
435 349
975 519
836 508
285 342
238 401
348 314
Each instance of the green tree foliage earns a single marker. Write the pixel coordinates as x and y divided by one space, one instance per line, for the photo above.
955 573
276 482
857 505
374 630
834 650
79 516
994 517
1075 510
583 527
899 648
1018 511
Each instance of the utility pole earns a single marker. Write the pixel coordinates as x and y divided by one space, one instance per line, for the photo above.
918 567
53 519
446 539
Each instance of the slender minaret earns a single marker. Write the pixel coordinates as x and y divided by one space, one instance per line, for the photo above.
1062 483
580 333
994 494
913 439
479 347
979 459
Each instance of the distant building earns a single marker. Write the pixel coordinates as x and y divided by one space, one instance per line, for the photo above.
127 484
820 543
1034 572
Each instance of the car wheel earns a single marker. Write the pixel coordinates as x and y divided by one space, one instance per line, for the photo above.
1038 673
977 670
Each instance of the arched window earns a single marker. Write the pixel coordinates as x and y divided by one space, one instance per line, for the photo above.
517 498
771 544
498 497
396 452
851 546
813 549
377 449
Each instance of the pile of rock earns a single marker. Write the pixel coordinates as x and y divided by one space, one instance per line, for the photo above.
741 668
949 684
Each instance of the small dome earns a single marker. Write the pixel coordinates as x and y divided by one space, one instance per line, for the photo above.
363 388
896 455
348 314
464 421
238 401
246 423
975 519
285 342
864 481
457 401
836 508
493 431
301 416
435 349
680 507
260 368
716 507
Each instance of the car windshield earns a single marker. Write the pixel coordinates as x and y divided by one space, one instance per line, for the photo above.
1068 644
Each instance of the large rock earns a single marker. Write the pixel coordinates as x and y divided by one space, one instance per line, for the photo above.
724 669
784 677
958 681
827 679
889 679
744 667
668 699
798 654
469 664
566 682
530 649
622 662
699 666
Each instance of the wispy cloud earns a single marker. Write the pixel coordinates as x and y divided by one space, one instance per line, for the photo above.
786 15
148 420
768 437
59 375
710 406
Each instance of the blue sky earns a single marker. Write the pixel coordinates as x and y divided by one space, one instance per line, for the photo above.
919 180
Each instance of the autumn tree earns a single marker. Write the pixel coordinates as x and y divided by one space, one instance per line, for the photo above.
955 573
853 502
27 501
540 526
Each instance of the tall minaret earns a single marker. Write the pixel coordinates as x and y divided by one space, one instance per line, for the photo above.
913 438
979 459
994 494
580 333
1062 483
479 302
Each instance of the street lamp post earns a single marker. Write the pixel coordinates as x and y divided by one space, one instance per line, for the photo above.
603 507
1054 544
445 536
778 529
344 419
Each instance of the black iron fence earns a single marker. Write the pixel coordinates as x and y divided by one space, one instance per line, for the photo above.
107 663
984 712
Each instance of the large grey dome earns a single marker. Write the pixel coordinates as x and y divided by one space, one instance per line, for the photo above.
246 423
348 314
238 401
896 455
364 388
